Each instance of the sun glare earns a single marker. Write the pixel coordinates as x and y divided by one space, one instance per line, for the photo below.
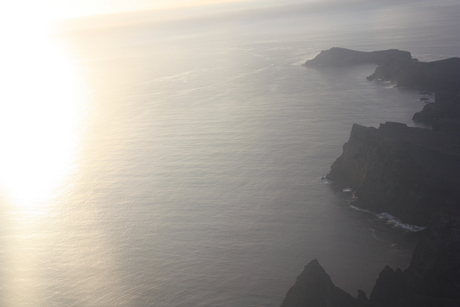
40 106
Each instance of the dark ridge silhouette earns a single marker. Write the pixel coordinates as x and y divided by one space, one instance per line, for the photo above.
396 66
344 57
408 172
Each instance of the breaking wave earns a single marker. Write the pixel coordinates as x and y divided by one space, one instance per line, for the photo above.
390 219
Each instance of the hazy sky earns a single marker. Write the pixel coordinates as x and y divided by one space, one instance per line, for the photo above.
43 11
25 14
72 8
32 13
77 8
62 9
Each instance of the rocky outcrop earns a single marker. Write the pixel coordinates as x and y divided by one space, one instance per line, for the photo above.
435 111
432 279
396 66
390 288
410 173
444 113
344 57
314 287
441 75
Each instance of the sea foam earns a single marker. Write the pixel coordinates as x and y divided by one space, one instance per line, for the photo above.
390 219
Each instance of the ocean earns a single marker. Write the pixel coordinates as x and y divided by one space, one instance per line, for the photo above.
194 152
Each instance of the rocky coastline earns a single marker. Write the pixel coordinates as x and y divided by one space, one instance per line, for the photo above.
410 173
396 66
432 278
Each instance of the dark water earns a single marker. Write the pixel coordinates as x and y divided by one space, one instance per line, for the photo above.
197 176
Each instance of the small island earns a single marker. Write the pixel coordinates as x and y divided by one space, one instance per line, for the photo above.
410 173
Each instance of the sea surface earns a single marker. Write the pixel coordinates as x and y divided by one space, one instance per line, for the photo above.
183 164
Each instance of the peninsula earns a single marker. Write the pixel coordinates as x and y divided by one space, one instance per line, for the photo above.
345 57
396 66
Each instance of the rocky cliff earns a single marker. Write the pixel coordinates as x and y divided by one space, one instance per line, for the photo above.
443 114
432 279
314 287
410 173
441 75
396 66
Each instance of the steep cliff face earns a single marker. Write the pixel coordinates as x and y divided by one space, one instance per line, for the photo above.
435 266
344 57
441 75
410 173
444 113
432 279
396 66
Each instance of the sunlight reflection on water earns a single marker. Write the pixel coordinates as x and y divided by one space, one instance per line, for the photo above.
41 111
42 105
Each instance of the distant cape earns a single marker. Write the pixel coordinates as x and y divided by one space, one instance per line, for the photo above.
344 57
396 66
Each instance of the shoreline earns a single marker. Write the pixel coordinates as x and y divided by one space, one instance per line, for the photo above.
406 175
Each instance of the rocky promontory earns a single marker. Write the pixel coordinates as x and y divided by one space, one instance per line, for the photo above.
408 172
396 66
314 287
443 75
443 114
344 57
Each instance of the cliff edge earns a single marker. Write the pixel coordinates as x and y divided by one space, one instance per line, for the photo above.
408 172
443 114
443 75
396 66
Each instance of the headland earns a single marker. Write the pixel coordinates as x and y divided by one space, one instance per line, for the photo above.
410 173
